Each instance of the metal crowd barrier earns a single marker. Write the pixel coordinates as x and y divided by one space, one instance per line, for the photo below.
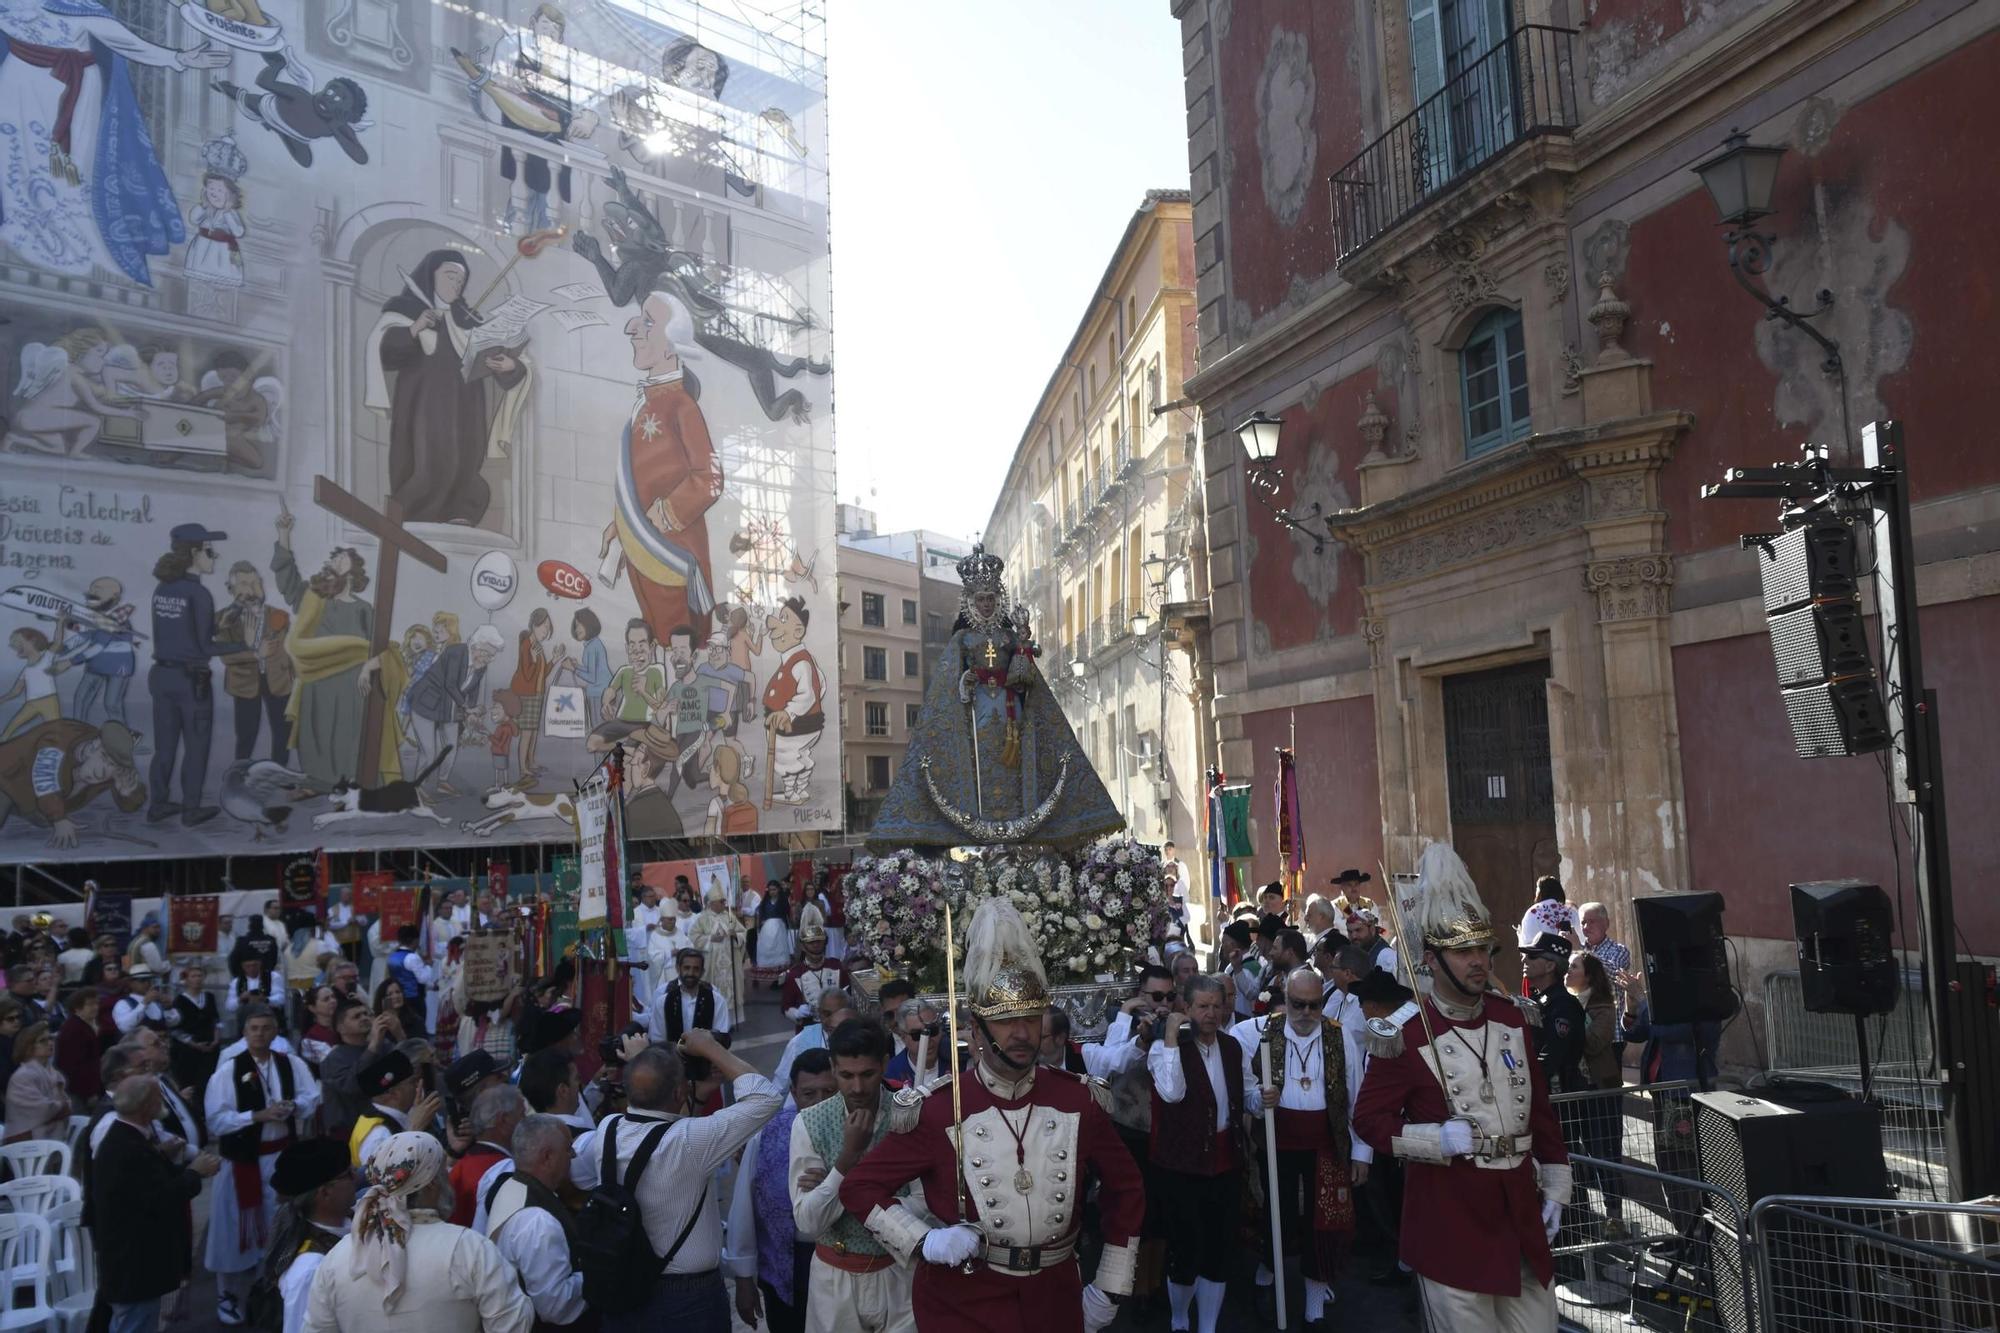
1675 1259
1823 1264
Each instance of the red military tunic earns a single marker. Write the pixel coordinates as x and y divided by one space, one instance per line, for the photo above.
1466 1225
672 464
1065 1137
802 977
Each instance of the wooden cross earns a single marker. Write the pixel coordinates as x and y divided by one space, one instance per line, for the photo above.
387 528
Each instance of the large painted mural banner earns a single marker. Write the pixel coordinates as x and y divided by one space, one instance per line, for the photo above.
410 404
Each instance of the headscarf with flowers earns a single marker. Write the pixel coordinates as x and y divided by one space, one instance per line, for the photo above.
400 1169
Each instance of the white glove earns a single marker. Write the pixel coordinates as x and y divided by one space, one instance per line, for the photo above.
951 1245
1455 1138
1552 1218
1098 1309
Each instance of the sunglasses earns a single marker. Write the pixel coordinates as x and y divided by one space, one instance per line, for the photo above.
1159 996
1297 1003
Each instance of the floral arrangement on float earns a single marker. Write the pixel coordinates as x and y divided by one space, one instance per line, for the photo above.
1093 913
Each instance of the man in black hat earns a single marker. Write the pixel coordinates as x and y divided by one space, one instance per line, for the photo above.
1559 1046
181 680
393 1090
1238 957
469 1075
317 1185
551 1030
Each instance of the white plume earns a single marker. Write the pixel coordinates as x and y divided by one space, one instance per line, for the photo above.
998 938
1446 895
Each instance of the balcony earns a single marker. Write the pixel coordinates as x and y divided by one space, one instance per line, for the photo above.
1118 624
1524 88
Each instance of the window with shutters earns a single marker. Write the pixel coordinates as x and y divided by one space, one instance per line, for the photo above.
1493 382
875 664
878 719
871 608
1450 41
878 772
911 668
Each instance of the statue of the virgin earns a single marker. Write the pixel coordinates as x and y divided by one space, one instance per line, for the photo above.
992 760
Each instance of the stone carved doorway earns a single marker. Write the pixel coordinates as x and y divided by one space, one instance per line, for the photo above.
1502 788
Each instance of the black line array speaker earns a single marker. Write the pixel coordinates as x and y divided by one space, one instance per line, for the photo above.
1846 965
1812 601
1803 1138
1687 963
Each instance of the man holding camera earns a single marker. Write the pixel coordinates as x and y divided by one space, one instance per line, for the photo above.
146 1002
1453 1089
856 1283
674 1193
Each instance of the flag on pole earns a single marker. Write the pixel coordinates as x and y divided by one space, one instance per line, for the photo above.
1212 827
1291 828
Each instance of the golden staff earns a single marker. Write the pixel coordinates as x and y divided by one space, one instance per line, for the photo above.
1396 911
951 1020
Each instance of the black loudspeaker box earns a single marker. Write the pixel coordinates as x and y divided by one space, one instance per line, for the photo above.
1846 965
1803 1138
1687 965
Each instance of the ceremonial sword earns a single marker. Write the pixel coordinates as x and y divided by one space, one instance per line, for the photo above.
951 1061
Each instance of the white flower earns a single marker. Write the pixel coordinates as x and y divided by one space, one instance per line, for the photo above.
1094 921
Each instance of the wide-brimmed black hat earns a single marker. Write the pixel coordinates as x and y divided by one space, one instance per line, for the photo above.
1380 987
304 1166
1238 931
384 1072
1351 876
1270 924
545 1027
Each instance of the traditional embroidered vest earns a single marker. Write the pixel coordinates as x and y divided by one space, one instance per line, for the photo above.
1184 1131
249 1088
704 1009
1276 1049
826 1124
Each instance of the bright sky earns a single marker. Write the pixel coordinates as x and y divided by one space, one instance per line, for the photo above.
984 161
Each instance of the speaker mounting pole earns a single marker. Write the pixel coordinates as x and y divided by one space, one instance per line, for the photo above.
1812 490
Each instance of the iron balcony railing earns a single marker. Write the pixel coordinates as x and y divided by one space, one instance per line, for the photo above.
1523 88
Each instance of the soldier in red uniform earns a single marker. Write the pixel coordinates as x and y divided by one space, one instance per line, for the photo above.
1003 1259
1454 1091
814 972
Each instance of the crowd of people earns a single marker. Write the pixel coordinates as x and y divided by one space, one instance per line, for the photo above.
353 1155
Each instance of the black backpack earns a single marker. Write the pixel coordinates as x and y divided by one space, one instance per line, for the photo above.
613 1251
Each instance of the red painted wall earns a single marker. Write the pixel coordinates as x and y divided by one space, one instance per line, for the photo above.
1265 256
1760 818
1339 801
1313 431
1699 330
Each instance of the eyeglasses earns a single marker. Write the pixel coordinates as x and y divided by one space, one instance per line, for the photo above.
208 551
1297 1003
1159 996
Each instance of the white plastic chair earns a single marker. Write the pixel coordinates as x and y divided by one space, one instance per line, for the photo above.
74 1283
26 1244
77 1124
36 1157
40 1195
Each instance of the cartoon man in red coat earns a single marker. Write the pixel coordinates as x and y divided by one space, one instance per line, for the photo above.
668 479
1454 1091
1003 1255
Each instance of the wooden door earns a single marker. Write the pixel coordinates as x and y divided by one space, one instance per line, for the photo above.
1502 788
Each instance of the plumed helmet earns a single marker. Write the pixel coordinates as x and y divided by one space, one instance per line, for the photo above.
1449 913
1003 968
812 924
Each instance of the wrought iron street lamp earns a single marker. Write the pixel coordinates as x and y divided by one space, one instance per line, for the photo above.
1742 179
1141 622
1259 437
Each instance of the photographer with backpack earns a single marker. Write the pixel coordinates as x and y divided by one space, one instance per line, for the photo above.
649 1238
